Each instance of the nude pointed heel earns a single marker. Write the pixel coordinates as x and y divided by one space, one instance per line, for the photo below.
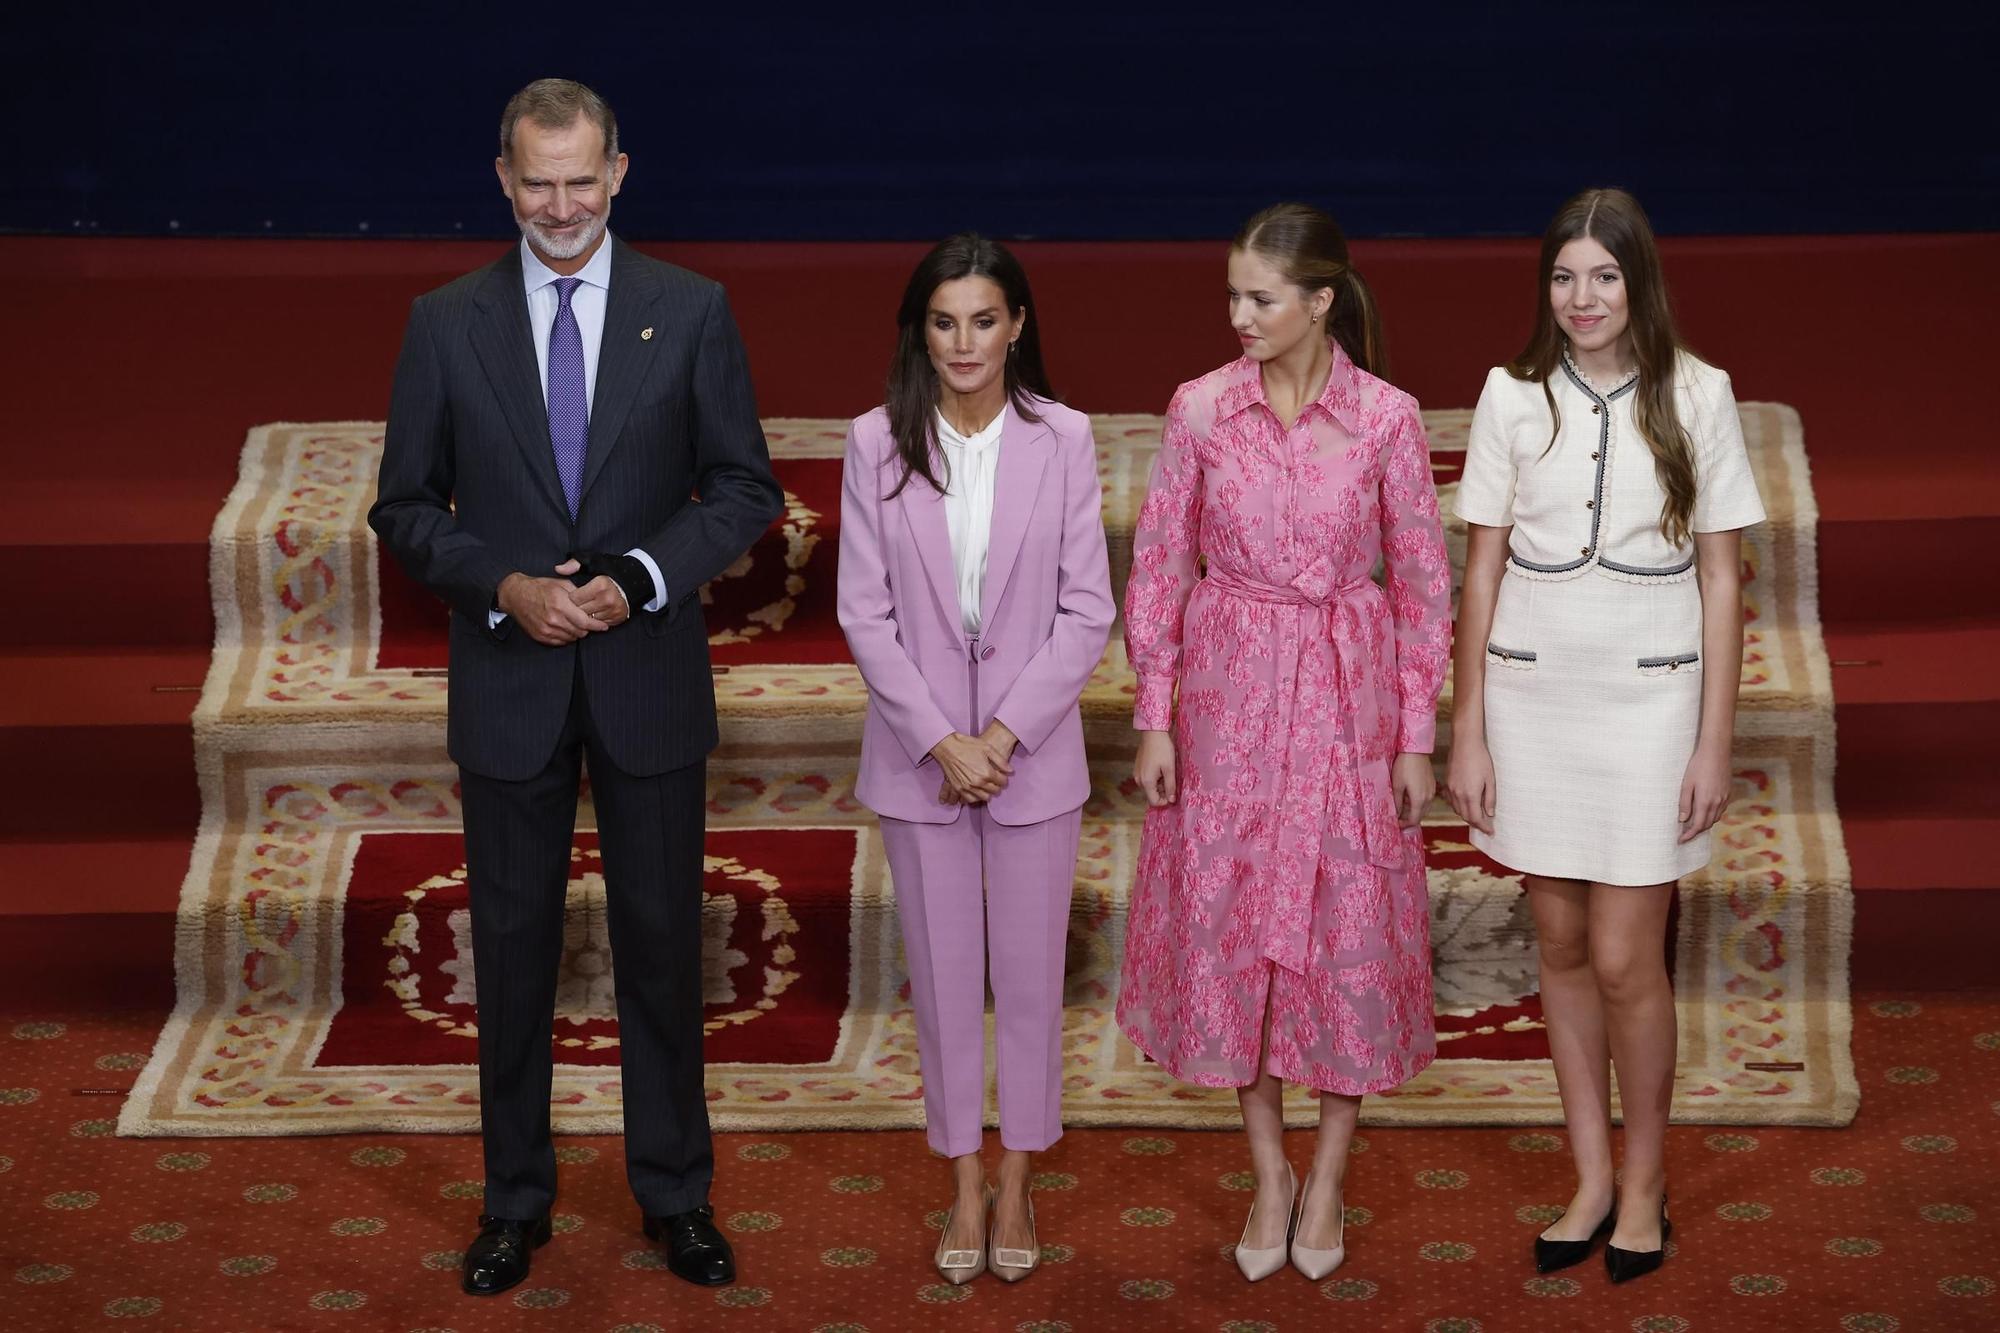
959 1267
1316 1264
1256 1265
1011 1265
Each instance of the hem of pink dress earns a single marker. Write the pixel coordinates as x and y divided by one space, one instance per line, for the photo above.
1343 1089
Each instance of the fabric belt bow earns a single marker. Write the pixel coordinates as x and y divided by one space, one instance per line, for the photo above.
1359 697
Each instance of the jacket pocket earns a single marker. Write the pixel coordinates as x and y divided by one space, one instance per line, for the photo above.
1670 664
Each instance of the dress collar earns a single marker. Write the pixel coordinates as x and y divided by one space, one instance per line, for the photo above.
1243 387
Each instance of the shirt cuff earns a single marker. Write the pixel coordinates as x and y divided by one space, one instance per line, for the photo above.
1417 733
495 619
1153 710
659 584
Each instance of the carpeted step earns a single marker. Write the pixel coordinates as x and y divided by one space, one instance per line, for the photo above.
1926 939
1926 894
98 743
92 873
1918 760
95 960
1918 713
91 919
1908 571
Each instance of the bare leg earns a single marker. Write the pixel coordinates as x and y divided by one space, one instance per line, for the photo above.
1263 1105
1011 1230
1628 953
1577 1044
965 1229
1319 1223
1264 1125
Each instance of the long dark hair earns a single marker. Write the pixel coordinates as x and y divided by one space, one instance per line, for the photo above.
913 382
1614 220
1307 246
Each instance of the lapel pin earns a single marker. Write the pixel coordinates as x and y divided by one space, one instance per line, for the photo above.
646 334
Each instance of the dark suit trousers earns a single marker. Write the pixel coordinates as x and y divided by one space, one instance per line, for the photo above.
517 841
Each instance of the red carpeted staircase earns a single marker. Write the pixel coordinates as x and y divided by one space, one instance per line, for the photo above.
142 363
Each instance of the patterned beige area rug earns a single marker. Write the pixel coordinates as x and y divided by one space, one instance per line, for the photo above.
324 980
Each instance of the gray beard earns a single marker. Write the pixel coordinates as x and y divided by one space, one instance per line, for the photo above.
558 247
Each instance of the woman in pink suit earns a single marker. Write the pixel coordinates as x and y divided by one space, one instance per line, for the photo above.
1279 925
976 597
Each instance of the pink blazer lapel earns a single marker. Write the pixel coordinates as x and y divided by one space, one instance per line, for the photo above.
1024 454
924 507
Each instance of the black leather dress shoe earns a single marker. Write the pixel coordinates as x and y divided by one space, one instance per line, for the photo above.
1552 1256
696 1251
499 1255
1624 1265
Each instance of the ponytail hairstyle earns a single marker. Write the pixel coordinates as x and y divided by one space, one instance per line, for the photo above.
913 382
1614 220
1307 246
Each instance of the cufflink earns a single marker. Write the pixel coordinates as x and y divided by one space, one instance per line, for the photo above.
646 334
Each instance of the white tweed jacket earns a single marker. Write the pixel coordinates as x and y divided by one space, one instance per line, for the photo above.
1592 501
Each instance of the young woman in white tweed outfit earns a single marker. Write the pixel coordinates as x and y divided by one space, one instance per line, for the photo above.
1599 648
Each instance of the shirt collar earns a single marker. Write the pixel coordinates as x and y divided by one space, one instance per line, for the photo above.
536 275
1340 399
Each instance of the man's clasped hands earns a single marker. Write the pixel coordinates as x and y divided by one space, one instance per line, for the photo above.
596 592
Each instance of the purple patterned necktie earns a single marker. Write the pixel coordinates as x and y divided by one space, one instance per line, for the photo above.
569 406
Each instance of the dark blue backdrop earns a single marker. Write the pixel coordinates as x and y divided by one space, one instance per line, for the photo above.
753 122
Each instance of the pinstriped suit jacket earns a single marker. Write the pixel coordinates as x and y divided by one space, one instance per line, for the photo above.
468 493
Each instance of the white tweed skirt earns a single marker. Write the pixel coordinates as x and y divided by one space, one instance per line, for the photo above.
1593 701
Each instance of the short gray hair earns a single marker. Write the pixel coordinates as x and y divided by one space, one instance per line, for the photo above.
555 104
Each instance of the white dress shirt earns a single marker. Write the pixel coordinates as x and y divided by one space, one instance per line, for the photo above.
968 506
593 290
587 303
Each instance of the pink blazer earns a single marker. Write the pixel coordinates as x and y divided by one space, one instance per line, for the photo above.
1045 613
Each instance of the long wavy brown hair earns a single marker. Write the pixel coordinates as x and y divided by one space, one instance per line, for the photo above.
1307 246
1615 221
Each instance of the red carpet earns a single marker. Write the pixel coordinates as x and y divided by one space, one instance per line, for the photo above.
1889 1226
406 953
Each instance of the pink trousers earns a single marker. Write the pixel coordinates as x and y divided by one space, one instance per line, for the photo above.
956 931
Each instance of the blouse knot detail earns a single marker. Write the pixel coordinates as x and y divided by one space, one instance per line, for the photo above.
1591 500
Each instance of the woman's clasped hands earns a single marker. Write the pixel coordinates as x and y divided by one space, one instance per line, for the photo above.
976 768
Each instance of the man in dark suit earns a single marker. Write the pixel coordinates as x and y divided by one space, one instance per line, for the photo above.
553 415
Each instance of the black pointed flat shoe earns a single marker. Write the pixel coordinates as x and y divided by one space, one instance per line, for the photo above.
501 1253
1552 1256
696 1251
1624 1265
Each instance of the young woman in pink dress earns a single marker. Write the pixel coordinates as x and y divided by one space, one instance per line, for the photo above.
1279 925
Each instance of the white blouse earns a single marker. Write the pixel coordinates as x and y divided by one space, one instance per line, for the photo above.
1592 500
968 506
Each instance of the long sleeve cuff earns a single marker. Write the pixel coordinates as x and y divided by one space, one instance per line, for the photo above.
1153 709
659 582
1416 733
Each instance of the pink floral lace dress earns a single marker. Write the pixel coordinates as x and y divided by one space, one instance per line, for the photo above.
1280 881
